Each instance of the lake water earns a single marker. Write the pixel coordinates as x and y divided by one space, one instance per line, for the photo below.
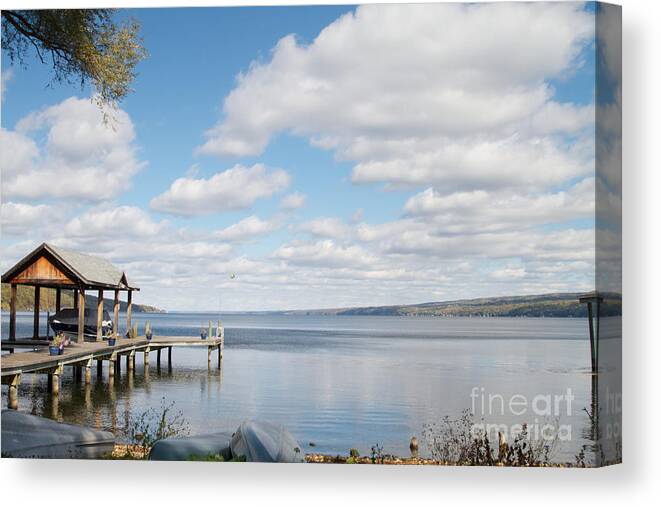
342 381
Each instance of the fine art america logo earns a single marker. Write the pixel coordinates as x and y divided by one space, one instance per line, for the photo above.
541 415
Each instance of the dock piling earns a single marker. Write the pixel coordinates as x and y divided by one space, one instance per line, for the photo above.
12 392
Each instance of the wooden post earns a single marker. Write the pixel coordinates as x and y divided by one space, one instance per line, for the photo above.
220 356
99 317
118 366
12 313
81 315
58 299
158 359
169 357
37 297
55 382
12 392
111 369
115 314
146 357
596 337
129 307
209 349
130 362
88 372
592 350
75 299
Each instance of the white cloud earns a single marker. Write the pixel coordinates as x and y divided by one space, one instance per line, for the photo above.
19 218
327 228
325 253
449 94
114 223
247 228
293 201
233 189
67 151
489 211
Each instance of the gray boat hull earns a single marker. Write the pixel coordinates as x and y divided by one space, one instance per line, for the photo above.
29 436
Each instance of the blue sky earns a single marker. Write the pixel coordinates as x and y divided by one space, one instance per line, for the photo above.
418 152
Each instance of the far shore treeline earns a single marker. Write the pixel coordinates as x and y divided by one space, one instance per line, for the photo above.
564 304
25 300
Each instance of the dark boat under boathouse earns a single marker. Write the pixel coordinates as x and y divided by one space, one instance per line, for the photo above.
53 267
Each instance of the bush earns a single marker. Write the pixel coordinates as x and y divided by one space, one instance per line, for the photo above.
153 425
454 442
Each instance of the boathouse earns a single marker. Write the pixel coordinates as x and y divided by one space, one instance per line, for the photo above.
50 266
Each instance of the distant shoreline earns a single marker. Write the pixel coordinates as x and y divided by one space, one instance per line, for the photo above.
554 305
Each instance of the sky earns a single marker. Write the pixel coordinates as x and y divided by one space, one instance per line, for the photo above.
320 156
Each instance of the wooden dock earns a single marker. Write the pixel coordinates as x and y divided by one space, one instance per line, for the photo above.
81 358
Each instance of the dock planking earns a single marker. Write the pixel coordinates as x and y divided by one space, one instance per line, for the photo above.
81 355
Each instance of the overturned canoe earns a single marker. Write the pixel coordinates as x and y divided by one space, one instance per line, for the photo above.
192 448
252 441
31 436
265 443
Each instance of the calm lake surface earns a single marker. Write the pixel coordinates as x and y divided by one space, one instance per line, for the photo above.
340 381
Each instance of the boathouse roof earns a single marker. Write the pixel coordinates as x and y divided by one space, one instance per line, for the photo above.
50 265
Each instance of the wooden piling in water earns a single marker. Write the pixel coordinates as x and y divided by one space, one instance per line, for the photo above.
12 392
593 301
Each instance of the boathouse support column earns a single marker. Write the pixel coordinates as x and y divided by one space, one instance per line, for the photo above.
81 316
129 308
146 357
12 313
88 372
99 317
37 297
115 314
58 299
